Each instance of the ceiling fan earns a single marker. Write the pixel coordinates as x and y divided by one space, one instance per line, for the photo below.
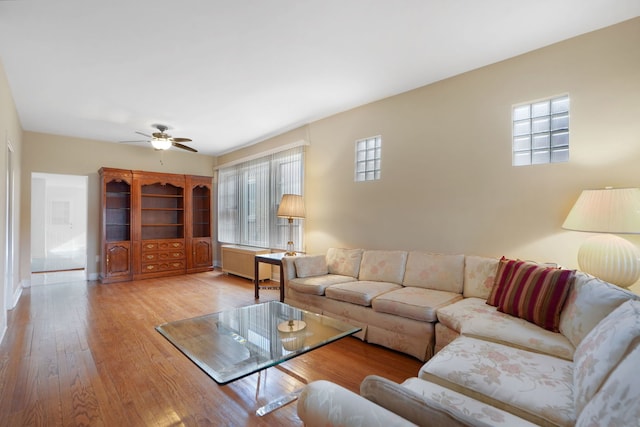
163 141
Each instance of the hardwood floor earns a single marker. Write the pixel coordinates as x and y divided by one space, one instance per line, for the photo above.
87 354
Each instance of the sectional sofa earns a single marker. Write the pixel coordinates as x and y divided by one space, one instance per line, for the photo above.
515 342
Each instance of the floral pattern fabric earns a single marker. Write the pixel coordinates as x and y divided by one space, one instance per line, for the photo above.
603 348
463 406
617 402
344 262
383 266
472 317
316 284
307 266
414 303
479 276
533 386
435 271
325 404
444 336
360 292
589 301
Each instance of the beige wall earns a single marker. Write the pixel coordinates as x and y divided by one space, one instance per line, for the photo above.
10 133
447 181
72 156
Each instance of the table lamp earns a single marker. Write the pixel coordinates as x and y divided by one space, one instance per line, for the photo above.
608 210
291 206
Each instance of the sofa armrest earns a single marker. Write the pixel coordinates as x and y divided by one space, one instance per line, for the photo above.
411 405
288 269
323 403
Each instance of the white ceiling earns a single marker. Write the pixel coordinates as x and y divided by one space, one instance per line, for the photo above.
232 73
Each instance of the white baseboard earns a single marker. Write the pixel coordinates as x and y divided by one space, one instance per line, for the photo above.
16 295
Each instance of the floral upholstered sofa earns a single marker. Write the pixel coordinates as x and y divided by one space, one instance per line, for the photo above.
392 295
498 361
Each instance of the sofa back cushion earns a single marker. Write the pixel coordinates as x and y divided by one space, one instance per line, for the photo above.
383 266
616 403
308 266
479 276
434 271
610 341
345 262
590 300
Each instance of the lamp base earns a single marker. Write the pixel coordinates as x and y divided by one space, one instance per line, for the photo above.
290 254
610 258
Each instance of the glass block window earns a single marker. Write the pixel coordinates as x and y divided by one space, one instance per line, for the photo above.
541 132
368 154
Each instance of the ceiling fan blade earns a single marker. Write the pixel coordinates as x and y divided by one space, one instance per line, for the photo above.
180 139
184 147
143 134
138 140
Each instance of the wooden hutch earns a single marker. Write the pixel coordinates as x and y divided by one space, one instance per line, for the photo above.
154 224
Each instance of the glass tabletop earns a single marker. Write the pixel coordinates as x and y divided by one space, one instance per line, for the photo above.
232 344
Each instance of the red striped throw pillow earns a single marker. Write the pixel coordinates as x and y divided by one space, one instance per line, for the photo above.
536 293
504 272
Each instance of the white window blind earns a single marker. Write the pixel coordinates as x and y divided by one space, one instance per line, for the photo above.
249 194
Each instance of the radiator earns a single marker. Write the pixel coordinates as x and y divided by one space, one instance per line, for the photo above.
239 261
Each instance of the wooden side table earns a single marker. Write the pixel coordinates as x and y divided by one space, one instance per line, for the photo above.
273 259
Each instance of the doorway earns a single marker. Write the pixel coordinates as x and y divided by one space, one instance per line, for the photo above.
58 228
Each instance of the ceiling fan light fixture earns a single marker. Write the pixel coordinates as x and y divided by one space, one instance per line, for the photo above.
161 143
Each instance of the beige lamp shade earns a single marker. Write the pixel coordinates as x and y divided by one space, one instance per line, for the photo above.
291 206
610 210
606 256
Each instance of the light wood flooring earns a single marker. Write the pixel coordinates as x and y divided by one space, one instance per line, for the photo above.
87 354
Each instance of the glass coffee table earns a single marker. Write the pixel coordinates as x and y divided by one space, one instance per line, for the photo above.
232 344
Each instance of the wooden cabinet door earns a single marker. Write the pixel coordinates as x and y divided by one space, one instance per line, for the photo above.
201 258
115 219
118 261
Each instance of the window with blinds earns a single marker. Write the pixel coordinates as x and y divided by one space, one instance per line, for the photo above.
249 194
541 132
368 157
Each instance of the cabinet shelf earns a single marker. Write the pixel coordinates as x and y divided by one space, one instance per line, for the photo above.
154 224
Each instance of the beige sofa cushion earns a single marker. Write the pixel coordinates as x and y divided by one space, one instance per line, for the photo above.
316 285
473 317
344 262
383 266
323 403
589 301
360 292
426 403
307 266
616 404
533 386
435 271
479 276
414 303
603 348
